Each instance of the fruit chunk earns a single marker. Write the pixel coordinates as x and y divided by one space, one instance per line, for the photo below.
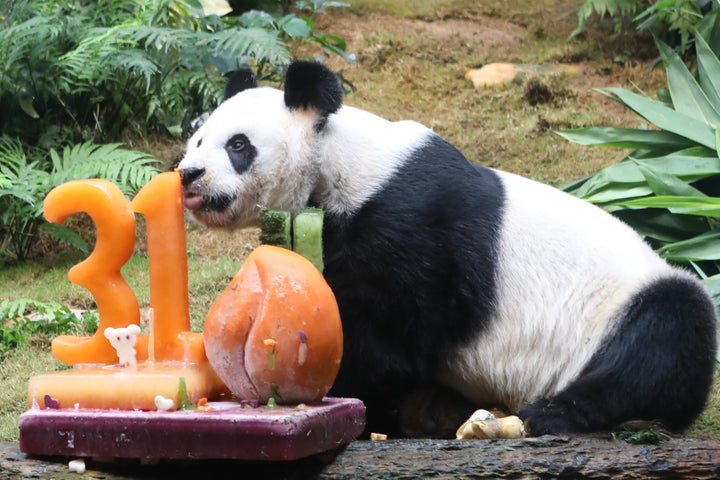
275 228
275 331
307 235
302 234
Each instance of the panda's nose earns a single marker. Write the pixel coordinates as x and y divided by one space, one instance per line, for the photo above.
189 175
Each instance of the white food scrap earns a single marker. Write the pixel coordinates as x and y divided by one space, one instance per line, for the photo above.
164 404
77 466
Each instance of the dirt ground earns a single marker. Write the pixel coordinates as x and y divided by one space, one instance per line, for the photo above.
602 59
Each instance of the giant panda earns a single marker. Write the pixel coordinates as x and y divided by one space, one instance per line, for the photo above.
459 286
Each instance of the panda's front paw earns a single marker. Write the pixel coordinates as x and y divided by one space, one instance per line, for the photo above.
433 412
545 418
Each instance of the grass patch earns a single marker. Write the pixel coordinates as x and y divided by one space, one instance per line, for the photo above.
708 424
43 281
15 370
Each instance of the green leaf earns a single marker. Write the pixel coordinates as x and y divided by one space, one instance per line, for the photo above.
614 194
254 42
256 19
686 167
713 286
129 169
626 138
688 98
666 118
26 103
661 225
294 26
705 246
708 70
663 183
334 44
688 205
67 236
183 400
709 29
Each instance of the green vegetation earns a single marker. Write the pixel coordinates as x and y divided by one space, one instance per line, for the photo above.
75 70
643 436
26 178
276 228
48 320
73 73
676 21
667 187
13 394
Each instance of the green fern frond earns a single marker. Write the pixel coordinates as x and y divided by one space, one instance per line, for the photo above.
260 44
36 27
159 39
137 63
18 42
12 155
87 64
128 168
66 235
4 183
20 179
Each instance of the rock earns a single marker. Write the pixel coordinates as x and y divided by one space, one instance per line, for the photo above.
501 74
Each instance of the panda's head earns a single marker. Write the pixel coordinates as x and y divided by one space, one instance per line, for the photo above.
257 149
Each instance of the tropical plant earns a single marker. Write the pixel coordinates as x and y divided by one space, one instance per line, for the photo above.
24 319
26 177
668 187
75 70
675 21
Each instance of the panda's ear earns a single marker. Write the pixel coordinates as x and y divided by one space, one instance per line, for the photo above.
310 85
239 80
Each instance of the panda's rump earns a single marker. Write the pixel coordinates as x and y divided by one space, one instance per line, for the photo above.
565 271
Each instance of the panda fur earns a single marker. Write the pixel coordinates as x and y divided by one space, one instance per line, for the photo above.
459 286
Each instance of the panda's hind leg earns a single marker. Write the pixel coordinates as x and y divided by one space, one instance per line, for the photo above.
656 365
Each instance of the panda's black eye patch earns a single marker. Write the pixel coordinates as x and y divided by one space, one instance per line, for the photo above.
237 145
240 152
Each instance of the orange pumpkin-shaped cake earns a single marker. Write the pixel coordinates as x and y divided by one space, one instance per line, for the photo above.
275 331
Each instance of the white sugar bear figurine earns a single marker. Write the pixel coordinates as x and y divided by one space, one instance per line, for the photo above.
123 340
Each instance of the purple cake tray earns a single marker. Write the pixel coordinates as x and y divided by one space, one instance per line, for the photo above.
228 431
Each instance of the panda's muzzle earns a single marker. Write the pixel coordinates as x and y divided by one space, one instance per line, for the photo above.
189 175
191 198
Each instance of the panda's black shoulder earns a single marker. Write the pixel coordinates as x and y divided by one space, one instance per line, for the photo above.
437 178
437 191
420 253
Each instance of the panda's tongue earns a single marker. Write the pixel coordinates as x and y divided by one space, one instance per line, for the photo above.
193 200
